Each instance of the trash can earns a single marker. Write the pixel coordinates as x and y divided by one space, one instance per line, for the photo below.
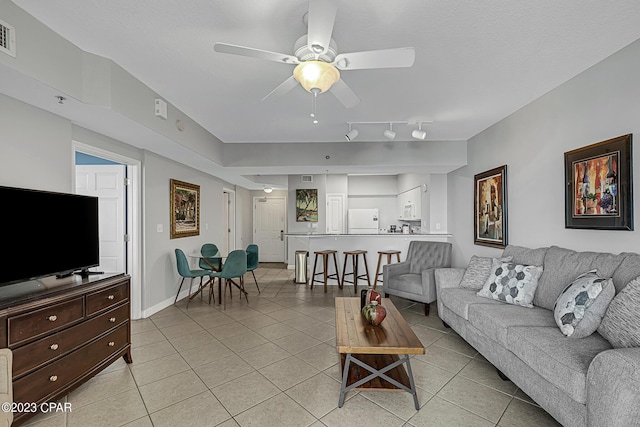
301 275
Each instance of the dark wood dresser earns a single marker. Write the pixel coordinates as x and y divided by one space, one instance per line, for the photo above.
63 332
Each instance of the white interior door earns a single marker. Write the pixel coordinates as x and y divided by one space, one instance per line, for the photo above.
336 213
107 183
268 227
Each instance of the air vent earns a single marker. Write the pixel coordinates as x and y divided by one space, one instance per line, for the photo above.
7 39
307 178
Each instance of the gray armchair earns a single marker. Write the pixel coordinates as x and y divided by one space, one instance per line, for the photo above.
414 278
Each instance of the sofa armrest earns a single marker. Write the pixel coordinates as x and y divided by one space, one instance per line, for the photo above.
391 270
449 277
613 388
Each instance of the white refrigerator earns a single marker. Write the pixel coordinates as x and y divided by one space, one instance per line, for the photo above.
362 221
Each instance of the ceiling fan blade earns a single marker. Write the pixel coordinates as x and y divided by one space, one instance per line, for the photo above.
322 15
282 88
344 94
255 53
385 58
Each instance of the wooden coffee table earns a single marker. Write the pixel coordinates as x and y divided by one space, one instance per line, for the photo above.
372 356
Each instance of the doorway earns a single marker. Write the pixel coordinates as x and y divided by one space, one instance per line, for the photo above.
269 219
116 181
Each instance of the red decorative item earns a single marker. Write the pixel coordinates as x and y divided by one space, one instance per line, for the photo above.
373 296
374 313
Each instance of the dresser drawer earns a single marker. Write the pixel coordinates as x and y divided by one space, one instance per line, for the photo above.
106 298
24 327
31 356
49 379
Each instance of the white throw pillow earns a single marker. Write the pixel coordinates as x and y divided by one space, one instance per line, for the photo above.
512 283
579 309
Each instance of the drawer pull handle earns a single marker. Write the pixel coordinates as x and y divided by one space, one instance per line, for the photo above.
111 343
110 297
112 320
53 318
54 346
53 378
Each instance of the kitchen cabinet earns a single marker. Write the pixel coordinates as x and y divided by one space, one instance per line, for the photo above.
410 205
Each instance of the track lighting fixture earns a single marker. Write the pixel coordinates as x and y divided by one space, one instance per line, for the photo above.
419 133
389 133
352 134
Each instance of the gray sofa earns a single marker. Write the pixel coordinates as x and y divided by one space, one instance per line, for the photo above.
579 381
414 277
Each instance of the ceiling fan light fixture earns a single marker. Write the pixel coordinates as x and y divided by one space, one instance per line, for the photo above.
316 75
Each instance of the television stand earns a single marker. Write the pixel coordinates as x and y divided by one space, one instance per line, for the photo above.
63 336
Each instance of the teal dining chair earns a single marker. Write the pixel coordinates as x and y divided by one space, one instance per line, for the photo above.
252 261
208 261
234 267
186 272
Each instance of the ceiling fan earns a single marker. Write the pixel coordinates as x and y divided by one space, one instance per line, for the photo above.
317 62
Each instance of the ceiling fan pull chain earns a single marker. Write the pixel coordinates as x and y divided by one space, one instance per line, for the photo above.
314 96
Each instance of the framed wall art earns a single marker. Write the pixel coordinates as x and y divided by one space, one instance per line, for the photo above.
307 205
490 208
599 181
185 209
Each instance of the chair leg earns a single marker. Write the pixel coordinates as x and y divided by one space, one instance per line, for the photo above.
335 263
313 276
354 263
178 293
366 269
375 281
344 271
254 279
426 309
189 296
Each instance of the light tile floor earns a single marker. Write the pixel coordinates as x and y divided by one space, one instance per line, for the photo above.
273 362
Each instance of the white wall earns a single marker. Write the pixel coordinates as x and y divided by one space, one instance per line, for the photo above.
601 103
375 191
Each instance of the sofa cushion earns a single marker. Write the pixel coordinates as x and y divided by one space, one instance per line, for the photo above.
495 320
522 255
512 283
561 361
628 270
458 300
621 323
478 271
408 282
562 266
580 307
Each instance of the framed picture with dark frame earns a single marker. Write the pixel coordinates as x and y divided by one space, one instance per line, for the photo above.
490 208
185 209
307 205
599 185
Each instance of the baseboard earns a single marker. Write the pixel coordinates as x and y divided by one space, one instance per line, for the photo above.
164 304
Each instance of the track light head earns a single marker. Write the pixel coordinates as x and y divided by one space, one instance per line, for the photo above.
419 134
389 134
351 135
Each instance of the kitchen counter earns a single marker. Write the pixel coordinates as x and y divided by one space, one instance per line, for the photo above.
372 243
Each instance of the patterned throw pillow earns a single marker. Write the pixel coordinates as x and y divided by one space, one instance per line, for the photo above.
579 309
620 323
512 283
478 271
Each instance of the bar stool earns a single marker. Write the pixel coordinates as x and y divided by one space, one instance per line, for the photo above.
324 272
388 254
354 272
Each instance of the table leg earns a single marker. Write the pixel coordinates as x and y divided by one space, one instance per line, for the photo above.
413 385
345 375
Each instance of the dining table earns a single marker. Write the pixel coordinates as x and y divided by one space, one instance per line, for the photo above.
215 262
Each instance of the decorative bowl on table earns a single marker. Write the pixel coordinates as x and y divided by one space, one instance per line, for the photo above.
374 313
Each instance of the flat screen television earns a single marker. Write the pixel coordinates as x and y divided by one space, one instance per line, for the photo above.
46 233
